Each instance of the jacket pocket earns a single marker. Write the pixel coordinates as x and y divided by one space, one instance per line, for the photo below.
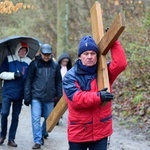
106 118
80 132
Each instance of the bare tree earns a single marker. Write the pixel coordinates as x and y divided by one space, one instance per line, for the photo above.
62 26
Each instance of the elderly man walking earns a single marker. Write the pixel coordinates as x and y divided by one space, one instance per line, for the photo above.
90 112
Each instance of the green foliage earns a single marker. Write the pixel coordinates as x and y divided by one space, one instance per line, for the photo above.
147 19
135 119
137 99
122 122
125 113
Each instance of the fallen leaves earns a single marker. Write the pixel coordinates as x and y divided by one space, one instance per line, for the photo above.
7 7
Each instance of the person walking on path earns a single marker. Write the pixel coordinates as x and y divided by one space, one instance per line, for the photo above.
89 110
13 71
65 64
42 85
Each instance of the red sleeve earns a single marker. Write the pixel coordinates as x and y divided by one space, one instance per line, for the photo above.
118 63
85 99
78 98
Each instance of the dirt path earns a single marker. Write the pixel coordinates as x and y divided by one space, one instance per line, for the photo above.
122 139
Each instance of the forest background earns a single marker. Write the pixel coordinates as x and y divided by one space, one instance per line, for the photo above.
62 23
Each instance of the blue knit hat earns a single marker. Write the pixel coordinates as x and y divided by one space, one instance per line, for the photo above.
87 43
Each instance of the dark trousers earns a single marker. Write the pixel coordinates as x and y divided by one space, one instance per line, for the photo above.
16 109
0 107
97 145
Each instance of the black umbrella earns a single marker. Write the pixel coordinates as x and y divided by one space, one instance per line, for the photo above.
8 46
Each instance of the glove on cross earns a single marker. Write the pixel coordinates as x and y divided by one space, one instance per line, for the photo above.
105 95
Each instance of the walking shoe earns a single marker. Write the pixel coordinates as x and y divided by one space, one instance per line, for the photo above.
12 143
36 146
46 135
2 140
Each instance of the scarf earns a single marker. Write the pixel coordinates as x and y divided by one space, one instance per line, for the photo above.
88 70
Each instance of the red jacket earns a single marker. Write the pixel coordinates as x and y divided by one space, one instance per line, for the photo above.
88 120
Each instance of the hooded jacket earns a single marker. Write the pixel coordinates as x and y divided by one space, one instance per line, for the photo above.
63 56
43 81
88 119
14 88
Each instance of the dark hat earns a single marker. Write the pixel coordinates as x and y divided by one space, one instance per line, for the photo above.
46 49
87 43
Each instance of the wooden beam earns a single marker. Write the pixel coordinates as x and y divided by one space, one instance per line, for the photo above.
112 34
102 75
104 46
104 42
56 114
98 33
97 23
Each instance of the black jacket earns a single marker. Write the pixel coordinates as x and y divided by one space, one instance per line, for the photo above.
0 91
43 82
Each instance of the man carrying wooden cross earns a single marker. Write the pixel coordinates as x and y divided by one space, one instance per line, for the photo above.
85 86
89 120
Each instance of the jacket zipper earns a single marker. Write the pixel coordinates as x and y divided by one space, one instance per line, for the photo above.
46 82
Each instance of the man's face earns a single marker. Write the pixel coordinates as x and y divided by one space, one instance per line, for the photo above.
88 58
46 57
22 52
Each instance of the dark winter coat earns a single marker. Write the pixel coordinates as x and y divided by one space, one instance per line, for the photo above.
0 91
43 81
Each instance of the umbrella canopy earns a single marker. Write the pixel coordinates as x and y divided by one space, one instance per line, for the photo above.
8 46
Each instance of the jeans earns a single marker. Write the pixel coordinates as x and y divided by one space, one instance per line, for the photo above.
16 109
39 109
97 145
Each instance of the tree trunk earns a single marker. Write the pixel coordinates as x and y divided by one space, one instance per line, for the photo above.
62 27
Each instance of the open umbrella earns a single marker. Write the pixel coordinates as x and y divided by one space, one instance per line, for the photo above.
8 46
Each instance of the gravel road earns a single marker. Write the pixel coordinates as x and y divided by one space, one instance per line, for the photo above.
122 138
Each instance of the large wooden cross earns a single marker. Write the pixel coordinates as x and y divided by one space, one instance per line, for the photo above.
104 43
